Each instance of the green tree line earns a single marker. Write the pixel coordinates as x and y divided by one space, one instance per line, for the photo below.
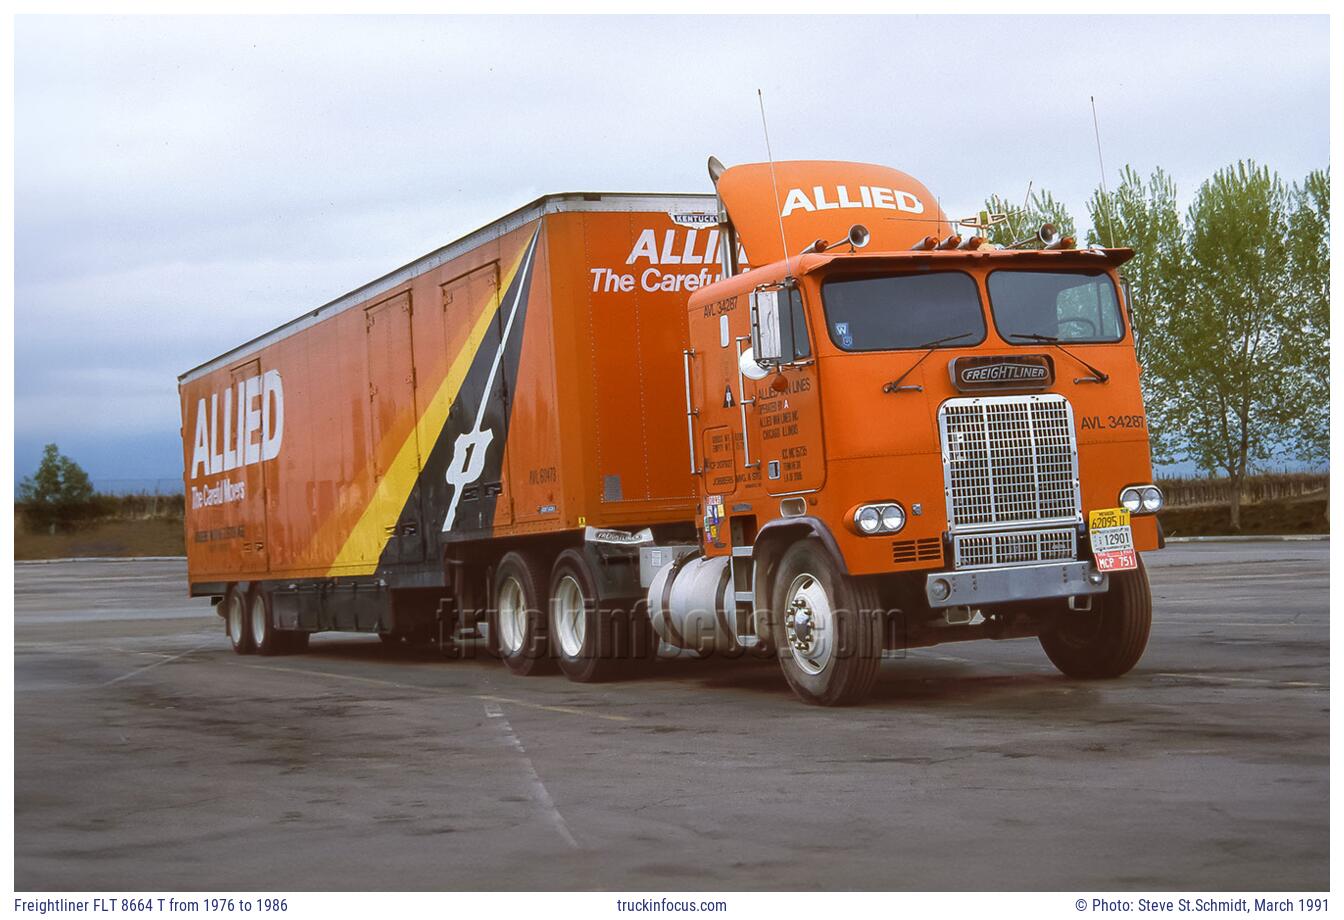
1231 310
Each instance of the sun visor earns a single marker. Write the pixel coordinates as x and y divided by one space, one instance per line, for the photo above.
822 199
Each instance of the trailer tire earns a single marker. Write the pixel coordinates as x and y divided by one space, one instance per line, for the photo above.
235 621
827 628
296 642
1110 640
518 615
266 639
591 641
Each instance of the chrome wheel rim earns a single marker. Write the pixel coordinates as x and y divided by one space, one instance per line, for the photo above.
234 616
569 616
258 619
809 624
512 617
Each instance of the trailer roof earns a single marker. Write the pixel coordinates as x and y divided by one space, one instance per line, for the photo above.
535 210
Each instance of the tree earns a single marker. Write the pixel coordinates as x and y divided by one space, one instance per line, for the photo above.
1227 351
1143 216
1040 207
1308 347
59 495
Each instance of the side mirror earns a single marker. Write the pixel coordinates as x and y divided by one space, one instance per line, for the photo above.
1127 292
765 343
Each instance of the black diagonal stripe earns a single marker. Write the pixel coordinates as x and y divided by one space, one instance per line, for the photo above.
419 533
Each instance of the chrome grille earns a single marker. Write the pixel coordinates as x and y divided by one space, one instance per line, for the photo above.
1014 547
1010 465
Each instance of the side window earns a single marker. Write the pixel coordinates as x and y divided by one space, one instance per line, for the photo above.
794 326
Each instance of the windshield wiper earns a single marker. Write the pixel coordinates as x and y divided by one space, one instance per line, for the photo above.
895 385
1098 376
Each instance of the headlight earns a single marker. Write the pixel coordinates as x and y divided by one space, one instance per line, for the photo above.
1152 500
893 518
1131 500
886 517
1142 499
868 519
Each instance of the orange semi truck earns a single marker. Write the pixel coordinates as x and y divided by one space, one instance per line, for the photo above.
803 417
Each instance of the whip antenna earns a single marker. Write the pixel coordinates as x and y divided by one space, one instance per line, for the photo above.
1105 195
779 210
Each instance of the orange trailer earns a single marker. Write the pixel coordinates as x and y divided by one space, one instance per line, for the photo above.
589 430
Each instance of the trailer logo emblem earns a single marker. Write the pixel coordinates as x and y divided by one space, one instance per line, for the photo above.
830 198
980 372
469 449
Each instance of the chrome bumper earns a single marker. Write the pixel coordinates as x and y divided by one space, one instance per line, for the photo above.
980 587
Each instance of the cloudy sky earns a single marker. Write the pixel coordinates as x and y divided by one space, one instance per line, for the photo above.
183 184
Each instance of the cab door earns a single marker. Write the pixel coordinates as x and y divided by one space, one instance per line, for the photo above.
787 410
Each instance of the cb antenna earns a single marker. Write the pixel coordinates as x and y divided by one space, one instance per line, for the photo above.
784 243
1105 195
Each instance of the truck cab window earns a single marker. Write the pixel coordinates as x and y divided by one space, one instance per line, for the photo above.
1076 306
793 324
890 312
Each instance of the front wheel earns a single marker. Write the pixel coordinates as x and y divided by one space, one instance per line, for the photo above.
827 628
1108 640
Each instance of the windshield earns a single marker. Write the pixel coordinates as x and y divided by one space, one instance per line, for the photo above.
903 311
1078 306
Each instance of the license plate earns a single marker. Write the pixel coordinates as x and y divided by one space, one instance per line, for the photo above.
1112 540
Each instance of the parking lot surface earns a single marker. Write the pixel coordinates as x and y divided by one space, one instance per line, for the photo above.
149 756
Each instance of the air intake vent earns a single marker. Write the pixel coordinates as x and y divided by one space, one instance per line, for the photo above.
929 549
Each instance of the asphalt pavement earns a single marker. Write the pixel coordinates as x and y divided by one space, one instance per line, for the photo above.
149 757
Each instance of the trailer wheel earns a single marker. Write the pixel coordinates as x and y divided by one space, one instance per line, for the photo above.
827 627
519 615
1108 641
235 621
266 639
591 641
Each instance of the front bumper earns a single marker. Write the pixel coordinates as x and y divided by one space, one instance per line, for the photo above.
982 587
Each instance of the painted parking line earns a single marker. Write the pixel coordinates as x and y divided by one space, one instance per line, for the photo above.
149 667
546 707
513 701
536 788
1255 681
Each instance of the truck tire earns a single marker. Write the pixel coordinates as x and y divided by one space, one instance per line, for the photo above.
518 616
235 621
1108 641
266 639
592 641
827 628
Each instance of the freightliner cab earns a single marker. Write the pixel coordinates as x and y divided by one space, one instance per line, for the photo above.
807 417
